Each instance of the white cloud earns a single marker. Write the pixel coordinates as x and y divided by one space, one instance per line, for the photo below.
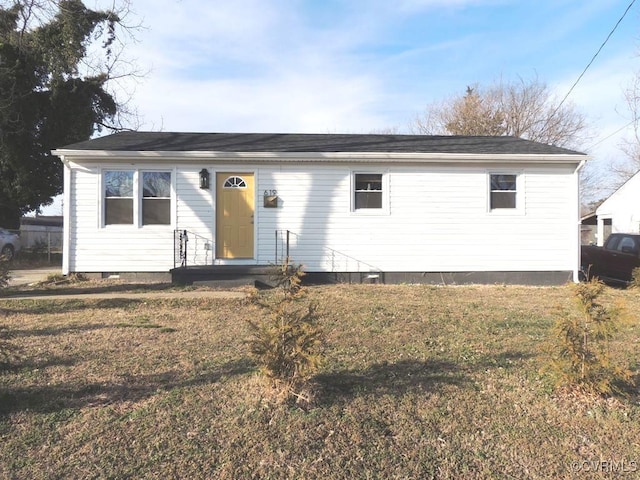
254 66
286 103
276 65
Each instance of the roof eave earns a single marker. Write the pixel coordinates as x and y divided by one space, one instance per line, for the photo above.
421 157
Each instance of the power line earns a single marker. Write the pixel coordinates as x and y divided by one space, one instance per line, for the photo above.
593 58
611 134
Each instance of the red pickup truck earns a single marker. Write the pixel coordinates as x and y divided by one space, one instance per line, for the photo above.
615 261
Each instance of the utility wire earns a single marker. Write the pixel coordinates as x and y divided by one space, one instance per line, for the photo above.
611 134
592 59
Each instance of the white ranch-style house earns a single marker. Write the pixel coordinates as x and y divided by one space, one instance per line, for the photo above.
388 208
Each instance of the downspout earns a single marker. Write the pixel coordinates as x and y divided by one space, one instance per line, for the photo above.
600 231
66 217
578 242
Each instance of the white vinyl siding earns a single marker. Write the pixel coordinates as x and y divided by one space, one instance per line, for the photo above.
95 247
622 209
436 219
196 214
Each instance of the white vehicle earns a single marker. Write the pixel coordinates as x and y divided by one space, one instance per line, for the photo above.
9 244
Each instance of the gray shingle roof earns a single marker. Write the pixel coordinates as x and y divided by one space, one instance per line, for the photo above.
306 143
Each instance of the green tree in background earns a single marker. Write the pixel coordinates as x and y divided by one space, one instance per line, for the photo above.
473 114
56 58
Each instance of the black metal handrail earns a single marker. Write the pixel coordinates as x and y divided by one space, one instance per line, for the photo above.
190 245
284 237
285 246
180 244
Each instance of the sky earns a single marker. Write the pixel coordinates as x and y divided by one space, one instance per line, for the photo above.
365 66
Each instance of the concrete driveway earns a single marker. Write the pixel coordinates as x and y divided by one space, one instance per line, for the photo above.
33 275
28 276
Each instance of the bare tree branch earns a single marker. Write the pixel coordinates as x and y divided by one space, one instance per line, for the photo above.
524 109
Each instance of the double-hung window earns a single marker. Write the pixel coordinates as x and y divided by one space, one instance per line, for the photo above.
156 198
503 191
132 197
118 197
368 193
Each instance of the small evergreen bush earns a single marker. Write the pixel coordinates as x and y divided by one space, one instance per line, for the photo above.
287 343
635 278
40 247
6 349
287 346
288 278
580 350
4 272
8 352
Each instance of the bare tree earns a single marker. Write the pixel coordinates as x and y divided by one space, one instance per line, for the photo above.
532 111
526 109
628 166
593 191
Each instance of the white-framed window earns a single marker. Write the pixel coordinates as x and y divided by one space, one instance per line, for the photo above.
156 198
505 192
369 192
136 197
118 197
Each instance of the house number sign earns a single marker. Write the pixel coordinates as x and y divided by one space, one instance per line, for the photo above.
270 199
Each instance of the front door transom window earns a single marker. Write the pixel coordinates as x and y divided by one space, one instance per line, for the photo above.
235 182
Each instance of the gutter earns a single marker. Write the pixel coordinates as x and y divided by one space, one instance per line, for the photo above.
66 217
578 220
300 157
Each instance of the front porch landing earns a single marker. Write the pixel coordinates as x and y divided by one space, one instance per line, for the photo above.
224 275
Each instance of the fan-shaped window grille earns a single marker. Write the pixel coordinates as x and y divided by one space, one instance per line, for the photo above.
235 182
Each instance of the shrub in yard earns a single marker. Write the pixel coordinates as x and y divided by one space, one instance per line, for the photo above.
580 356
287 347
4 272
635 278
288 278
40 247
287 343
6 350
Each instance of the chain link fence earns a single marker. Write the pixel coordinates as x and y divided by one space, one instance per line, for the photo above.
38 241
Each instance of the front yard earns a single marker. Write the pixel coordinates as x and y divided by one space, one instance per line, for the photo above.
419 382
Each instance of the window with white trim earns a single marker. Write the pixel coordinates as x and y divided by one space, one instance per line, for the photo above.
503 191
368 191
156 198
132 197
118 197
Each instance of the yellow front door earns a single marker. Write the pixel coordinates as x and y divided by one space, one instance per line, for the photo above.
234 218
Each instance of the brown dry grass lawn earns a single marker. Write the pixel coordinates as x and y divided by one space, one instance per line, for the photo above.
419 382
